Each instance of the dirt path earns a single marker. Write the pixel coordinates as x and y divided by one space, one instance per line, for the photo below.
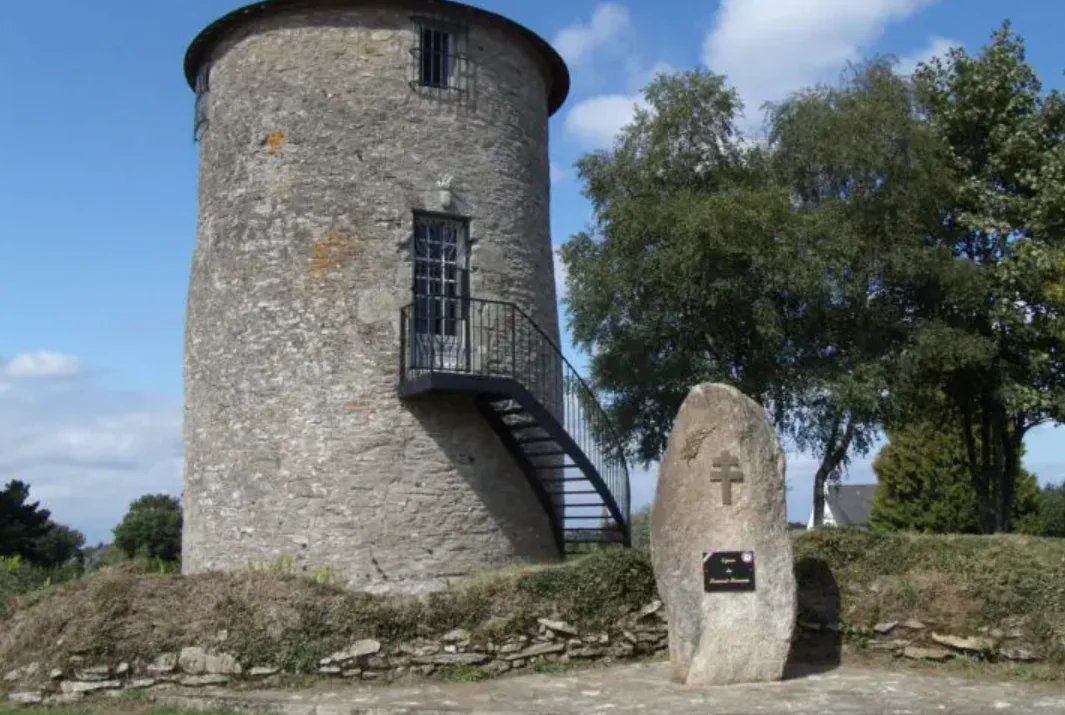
646 689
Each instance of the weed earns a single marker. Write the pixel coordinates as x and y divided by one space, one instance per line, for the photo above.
458 673
549 666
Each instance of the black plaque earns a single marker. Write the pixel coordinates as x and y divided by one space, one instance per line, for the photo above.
728 571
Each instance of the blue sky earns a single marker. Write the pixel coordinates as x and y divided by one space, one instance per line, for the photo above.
98 196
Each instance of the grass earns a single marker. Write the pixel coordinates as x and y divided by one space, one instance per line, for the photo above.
270 617
278 619
459 673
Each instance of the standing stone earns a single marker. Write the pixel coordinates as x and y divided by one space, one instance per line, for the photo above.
721 489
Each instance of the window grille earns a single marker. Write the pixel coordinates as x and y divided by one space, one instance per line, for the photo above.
439 63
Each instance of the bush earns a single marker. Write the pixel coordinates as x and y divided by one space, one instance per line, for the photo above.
151 529
924 485
640 524
1048 518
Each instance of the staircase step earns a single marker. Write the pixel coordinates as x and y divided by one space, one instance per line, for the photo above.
508 411
517 423
563 479
535 440
597 517
597 504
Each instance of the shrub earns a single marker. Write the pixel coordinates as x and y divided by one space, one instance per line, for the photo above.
924 485
151 528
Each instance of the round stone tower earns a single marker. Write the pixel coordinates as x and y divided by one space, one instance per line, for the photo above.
351 153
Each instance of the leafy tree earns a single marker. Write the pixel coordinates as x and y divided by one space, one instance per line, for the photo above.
58 546
27 531
897 240
151 528
923 484
22 524
865 185
697 270
987 310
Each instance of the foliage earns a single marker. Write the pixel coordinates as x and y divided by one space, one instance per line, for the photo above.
59 545
22 524
151 528
698 270
640 526
897 238
923 484
987 316
26 530
1048 518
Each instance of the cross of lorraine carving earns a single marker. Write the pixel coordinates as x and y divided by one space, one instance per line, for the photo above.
727 472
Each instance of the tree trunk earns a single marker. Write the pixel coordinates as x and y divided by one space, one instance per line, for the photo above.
835 452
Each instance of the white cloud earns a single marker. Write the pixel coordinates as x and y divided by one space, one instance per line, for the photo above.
595 122
769 48
609 22
936 47
87 451
40 364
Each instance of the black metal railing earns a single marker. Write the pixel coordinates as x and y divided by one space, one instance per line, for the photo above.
488 338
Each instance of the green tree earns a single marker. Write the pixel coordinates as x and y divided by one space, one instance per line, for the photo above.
924 485
151 528
22 523
58 546
27 531
699 269
986 310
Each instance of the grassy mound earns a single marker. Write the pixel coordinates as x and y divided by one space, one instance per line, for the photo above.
289 622
955 584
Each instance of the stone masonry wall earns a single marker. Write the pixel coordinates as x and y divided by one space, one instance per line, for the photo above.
316 154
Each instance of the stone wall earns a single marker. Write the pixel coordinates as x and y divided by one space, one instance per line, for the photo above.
458 654
641 633
315 156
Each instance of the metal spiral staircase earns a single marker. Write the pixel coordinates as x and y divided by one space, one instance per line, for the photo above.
531 396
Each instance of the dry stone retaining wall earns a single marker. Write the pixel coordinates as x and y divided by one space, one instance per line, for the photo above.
639 634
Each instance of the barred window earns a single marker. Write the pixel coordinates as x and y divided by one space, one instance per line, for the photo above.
436 58
439 64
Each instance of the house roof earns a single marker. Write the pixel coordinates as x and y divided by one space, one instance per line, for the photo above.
851 503
200 49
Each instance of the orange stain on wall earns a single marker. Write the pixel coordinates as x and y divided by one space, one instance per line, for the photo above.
274 140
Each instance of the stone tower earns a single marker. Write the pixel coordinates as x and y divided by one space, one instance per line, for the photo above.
353 153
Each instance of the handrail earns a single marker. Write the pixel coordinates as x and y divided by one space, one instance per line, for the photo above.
591 393
492 338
